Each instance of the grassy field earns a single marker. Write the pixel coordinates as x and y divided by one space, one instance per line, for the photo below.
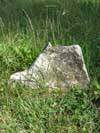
25 27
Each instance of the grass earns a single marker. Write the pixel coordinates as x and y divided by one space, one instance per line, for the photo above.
25 27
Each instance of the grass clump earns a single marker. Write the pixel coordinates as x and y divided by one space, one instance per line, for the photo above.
25 27
44 111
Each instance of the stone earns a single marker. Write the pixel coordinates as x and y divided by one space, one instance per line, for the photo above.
56 67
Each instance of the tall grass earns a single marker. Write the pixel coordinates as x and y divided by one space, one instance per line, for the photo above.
25 27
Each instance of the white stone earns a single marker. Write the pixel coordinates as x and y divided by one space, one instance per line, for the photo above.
56 66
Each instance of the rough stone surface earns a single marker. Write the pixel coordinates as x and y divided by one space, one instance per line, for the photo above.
56 66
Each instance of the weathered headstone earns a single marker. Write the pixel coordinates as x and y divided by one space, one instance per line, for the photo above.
56 66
